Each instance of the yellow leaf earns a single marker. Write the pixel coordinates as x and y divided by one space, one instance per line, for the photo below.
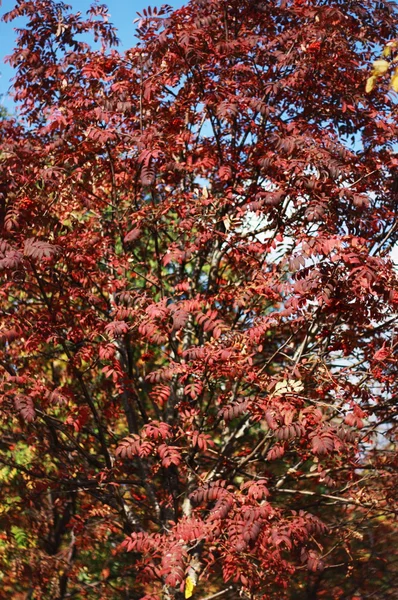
189 587
380 67
394 81
387 51
370 84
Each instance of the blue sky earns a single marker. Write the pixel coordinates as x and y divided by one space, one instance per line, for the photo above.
122 16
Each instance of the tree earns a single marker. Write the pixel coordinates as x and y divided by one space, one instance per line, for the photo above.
198 305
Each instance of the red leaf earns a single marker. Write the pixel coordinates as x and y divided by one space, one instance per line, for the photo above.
24 404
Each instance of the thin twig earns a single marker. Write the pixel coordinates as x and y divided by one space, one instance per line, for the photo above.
228 589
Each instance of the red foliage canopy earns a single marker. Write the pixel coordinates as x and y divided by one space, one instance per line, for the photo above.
198 305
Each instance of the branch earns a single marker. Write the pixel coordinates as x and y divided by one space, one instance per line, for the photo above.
228 589
336 498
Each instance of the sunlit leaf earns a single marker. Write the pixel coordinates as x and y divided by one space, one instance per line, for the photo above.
370 84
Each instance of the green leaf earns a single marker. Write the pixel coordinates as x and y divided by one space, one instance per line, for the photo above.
20 536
